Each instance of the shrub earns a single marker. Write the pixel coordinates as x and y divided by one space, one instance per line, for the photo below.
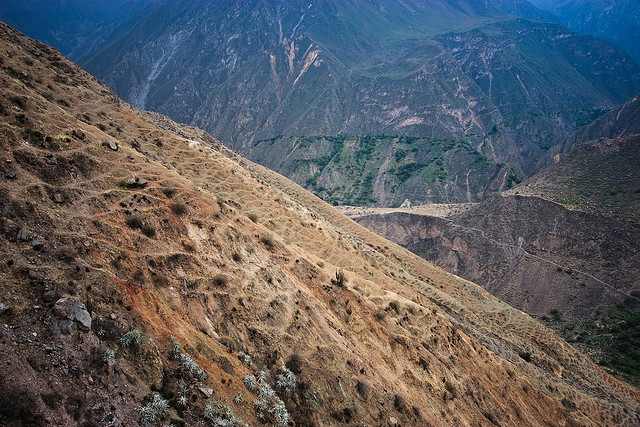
148 230
236 256
250 382
362 387
131 338
448 385
169 191
192 367
176 347
253 217
294 363
267 240
134 222
228 342
340 279
556 314
154 410
219 280
179 208
395 306
245 358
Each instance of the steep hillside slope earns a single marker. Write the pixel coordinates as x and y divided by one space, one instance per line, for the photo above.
561 246
249 71
148 273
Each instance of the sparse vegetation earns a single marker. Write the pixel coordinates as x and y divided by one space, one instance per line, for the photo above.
134 222
169 191
253 217
155 410
179 208
192 367
221 415
448 385
267 240
133 338
109 356
340 279
363 387
219 281
286 381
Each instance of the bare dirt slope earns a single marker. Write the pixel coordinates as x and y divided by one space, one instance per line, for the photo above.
116 222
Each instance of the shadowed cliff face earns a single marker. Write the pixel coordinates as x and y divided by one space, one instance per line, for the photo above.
533 253
148 272
250 71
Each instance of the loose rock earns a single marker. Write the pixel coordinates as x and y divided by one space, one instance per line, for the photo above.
10 175
3 308
136 183
23 234
49 296
36 244
73 309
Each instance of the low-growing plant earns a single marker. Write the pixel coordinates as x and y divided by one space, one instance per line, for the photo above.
221 415
134 222
286 381
267 240
176 347
179 208
219 280
448 385
192 367
109 356
395 306
245 358
131 338
155 410
169 191
253 217
250 382
148 230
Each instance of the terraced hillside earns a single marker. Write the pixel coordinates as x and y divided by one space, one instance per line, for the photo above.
150 275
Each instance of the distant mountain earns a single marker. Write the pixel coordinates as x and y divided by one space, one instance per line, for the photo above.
253 71
615 20
75 27
524 9
151 276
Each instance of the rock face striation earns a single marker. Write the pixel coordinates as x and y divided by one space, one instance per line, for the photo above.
222 293
252 71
